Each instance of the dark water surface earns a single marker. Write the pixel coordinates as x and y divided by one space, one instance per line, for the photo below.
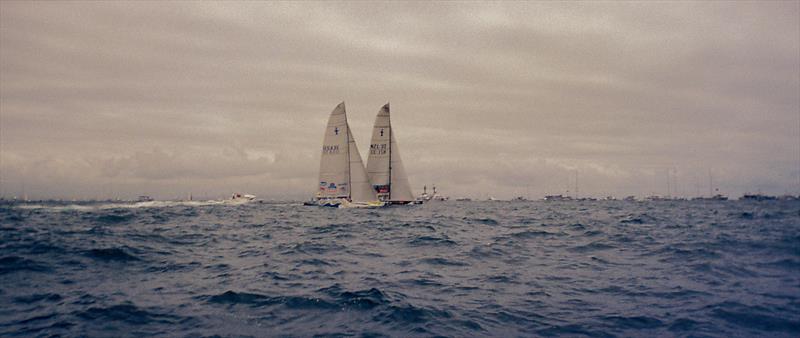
605 268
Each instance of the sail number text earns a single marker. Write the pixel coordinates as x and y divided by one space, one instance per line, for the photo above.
330 149
378 149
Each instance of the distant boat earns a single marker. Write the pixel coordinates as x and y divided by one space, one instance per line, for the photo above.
238 198
425 197
717 197
385 168
144 198
342 180
757 197
656 198
557 198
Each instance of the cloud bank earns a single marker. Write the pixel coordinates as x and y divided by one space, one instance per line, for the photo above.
118 99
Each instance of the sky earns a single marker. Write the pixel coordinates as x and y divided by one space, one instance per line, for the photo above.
120 99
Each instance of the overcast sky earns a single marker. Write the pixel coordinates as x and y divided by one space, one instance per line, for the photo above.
111 99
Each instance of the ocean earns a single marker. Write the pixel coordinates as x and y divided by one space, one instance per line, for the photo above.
452 269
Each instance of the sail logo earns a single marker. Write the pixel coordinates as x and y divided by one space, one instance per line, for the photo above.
330 149
332 187
377 149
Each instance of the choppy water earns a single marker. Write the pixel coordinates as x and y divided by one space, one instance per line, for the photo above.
450 269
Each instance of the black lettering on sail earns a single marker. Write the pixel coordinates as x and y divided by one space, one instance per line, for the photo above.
330 149
378 149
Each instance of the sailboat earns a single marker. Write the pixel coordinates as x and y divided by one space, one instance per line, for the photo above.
384 166
343 180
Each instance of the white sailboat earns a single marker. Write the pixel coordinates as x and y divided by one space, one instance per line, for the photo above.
343 181
384 166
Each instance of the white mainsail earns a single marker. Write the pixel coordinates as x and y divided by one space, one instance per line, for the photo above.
384 165
341 171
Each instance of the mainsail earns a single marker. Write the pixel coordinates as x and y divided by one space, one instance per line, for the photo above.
384 166
341 171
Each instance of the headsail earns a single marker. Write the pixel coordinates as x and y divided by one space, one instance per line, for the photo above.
359 183
341 171
384 165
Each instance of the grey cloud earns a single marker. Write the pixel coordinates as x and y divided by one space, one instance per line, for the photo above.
169 96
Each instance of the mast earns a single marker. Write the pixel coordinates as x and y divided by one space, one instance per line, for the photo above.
710 184
389 198
675 182
576 183
349 175
668 191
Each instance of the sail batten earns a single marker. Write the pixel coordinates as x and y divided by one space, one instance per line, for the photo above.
384 164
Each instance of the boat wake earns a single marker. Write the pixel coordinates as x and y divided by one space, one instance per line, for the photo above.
127 205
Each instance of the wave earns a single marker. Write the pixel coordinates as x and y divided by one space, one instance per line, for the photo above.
130 314
683 324
593 233
314 262
258 300
634 322
310 248
577 226
787 264
408 314
485 220
593 246
432 241
442 261
639 219
572 330
11 264
675 293
41 326
535 233
94 206
755 317
421 282
111 255
487 251
115 218
360 299
38 297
